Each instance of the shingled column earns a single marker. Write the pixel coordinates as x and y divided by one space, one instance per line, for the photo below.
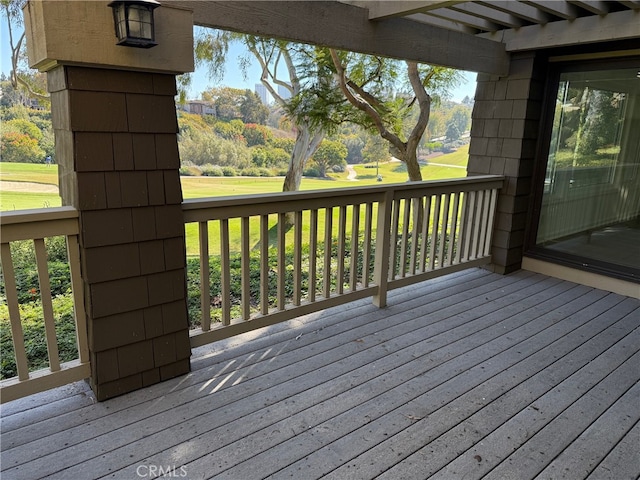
506 117
115 126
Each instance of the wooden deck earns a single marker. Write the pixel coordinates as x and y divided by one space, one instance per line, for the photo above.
472 375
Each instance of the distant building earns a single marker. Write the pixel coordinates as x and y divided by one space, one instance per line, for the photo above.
199 107
284 92
263 93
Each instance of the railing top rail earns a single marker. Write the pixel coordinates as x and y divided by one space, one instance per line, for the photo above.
13 217
344 193
38 223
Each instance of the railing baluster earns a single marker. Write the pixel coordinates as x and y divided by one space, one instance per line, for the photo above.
205 289
264 264
73 254
491 212
477 225
434 233
225 274
342 228
454 229
245 263
366 251
395 225
281 231
355 248
406 218
424 238
47 305
418 214
483 222
14 312
328 248
313 253
442 261
297 259
470 205
463 222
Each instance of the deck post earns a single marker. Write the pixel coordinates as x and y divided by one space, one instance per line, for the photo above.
383 249
115 124
506 117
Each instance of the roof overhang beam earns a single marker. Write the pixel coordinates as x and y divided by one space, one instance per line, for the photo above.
614 26
379 10
347 27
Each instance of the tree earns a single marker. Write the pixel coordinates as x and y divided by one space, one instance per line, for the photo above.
285 67
271 54
252 109
32 84
256 134
367 83
453 133
375 150
461 116
330 153
19 147
24 126
201 148
236 103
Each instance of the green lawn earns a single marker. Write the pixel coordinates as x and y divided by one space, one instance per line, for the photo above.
28 200
199 187
29 197
29 172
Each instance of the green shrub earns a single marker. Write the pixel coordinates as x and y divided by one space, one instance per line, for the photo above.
250 172
26 272
229 172
312 172
209 170
191 171
34 338
194 287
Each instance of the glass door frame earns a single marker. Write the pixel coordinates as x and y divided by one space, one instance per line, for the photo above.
531 249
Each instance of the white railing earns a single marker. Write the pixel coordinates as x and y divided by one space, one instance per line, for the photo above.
35 226
313 250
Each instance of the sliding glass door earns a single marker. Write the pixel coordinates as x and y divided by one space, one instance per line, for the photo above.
590 206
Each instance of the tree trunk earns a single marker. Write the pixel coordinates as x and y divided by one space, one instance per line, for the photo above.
417 207
307 142
413 167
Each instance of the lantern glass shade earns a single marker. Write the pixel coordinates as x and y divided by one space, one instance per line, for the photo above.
134 22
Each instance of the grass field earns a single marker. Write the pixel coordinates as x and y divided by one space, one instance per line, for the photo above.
29 172
34 175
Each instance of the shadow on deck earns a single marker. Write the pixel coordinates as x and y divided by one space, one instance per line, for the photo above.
472 375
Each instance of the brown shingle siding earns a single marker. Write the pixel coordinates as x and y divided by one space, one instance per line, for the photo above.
134 190
151 114
117 144
92 194
93 152
152 257
97 112
123 151
119 296
144 151
106 227
118 330
104 264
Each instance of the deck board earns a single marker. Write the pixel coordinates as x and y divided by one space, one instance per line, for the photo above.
475 376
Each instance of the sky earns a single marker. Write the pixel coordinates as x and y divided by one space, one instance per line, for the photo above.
233 76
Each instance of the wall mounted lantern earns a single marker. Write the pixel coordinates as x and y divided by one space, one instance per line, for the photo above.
134 22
